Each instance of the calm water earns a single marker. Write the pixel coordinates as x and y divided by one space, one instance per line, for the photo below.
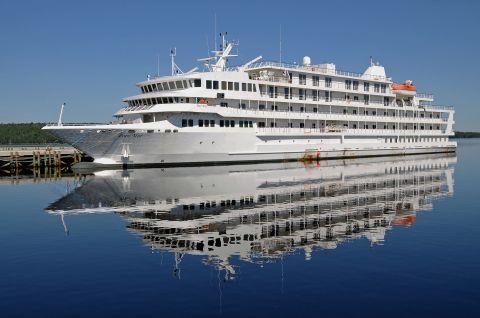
378 237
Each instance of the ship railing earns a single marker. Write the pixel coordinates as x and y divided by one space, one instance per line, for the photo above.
319 68
437 107
424 95
346 131
326 115
309 97
73 124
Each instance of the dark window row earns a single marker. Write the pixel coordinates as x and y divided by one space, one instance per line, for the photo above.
231 86
211 123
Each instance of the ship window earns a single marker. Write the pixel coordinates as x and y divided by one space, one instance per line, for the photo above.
355 85
384 88
366 87
315 109
376 88
244 87
240 123
302 125
286 92
302 79
212 123
237 86
209 84
185 84
328 82
249 87
315 80
232 123
197 82
184 123
254 86
261 107
143 89
230 86
250 124
207 123
227 123
215 84
179 84
224 85
348 84
223 104
200 123
222 123
190 123
170 100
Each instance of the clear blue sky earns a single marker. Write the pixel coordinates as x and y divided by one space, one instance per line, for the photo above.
91 53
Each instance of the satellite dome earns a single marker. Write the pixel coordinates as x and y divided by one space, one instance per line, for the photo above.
307 61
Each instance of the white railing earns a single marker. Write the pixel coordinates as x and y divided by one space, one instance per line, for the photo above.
346 131
322 115
424 95
437 107
313 68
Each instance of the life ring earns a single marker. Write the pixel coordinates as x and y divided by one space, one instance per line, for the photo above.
202 101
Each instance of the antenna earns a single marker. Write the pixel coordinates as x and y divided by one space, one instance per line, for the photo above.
371 60
280 43
215 30
61 114
173 53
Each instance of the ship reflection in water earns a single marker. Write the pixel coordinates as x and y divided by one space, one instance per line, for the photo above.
262 213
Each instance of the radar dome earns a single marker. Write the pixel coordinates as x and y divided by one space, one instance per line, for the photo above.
307 61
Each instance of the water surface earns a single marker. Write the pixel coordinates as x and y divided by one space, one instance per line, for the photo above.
376 237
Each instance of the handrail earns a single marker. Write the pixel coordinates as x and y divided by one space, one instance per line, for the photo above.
424 95
319 68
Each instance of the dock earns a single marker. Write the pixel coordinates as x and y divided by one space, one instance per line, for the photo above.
15 158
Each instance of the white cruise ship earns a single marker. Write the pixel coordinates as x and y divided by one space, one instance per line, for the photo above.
265 111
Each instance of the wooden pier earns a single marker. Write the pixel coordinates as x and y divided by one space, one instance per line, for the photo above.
15 158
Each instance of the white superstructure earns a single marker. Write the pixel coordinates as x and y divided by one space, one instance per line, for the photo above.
264 111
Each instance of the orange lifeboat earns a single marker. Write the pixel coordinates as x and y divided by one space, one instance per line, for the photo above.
404 89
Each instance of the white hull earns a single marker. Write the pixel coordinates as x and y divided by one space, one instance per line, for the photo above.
117 147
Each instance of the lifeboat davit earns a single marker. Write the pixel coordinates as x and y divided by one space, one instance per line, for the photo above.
406 88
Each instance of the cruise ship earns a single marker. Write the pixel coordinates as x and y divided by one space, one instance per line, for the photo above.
263 212
265 111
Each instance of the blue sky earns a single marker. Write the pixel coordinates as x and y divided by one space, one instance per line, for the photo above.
91 53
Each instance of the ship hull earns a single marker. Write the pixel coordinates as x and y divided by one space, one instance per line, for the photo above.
122 147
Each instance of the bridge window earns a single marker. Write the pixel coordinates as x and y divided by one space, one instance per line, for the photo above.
224 85
244 87
197 82
184 123
190 123
209 84
212 123
236 86
230 86
249 87
200 123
